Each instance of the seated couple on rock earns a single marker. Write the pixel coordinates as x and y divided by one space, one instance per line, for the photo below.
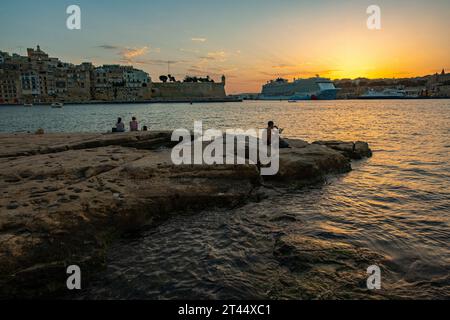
270 127
134 126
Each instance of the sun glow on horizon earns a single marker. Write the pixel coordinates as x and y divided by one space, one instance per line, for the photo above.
264 41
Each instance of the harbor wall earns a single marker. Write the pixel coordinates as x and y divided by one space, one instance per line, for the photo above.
188 90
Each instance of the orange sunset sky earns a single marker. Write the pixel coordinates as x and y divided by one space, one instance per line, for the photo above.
250 41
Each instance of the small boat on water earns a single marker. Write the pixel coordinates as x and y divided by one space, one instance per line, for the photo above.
27 105
57 105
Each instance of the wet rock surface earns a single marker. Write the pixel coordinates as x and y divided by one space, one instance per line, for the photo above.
318 263
66 196
305 162
353 150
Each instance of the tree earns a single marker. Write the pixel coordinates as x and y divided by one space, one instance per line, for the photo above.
163 78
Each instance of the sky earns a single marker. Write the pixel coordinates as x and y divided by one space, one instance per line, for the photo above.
249 41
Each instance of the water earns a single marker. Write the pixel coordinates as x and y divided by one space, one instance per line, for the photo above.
396 204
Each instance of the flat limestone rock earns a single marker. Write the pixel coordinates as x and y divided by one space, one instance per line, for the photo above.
65 197
353 150
22 144
310 162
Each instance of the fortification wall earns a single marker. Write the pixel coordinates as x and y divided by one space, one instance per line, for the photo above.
188 90
122 94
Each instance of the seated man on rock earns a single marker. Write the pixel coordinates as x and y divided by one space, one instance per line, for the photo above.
271 126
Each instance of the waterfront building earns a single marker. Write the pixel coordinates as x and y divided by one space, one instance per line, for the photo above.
39 78
9 84
134 78
120 83
30 84
79 82
439 84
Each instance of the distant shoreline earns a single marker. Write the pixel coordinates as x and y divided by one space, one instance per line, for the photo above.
195 100
211 101
359 98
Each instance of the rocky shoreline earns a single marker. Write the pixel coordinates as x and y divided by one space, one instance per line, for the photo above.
65 197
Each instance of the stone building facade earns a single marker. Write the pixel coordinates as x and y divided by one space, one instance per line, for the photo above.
39 78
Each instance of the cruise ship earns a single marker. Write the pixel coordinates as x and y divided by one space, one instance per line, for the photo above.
300 89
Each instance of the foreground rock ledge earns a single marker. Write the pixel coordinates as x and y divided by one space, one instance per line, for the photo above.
66 196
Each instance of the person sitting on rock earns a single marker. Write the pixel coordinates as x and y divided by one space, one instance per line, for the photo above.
134 126
270 127
120 126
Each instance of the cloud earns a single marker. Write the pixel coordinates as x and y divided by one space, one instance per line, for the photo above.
211 63
109 47
220 56
189 50
217 54
131 53
216 72
195 70
298 73
283 66
198 39
158 62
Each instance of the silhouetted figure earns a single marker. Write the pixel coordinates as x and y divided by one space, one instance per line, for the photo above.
120 126
134 125
271 126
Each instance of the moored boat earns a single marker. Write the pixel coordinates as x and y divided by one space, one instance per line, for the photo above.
57 105
387 94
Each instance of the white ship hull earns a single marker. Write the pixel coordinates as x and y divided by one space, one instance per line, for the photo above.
300 89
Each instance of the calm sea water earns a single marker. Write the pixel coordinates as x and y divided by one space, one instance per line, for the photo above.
396 204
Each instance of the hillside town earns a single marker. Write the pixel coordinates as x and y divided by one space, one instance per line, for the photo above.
430 86
434 86
40 79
